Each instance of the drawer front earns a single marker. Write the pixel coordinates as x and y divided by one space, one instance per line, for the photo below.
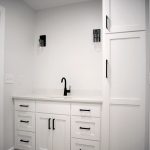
78 144
24 140
91 110
85 128
25 121
53 108
22 105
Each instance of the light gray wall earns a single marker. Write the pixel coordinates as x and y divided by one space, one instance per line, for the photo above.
148 71
2 28
148 63
18 58
70 50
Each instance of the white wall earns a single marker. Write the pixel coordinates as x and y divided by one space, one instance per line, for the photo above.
2 33
70 50
18 58
148 71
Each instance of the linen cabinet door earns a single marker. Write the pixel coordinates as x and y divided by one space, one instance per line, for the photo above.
124 15
126 78
43 132
61 132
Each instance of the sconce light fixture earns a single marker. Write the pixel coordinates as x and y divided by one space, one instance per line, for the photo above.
96 35
42 41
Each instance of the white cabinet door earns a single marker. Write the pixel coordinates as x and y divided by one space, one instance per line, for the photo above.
126 66
61 132
124 15
43 132
126 55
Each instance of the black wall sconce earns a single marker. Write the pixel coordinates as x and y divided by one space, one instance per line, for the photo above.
96 35
42 41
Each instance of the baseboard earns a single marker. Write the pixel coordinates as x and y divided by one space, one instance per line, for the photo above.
12 148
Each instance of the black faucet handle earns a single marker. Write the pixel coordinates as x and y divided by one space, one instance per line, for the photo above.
69 89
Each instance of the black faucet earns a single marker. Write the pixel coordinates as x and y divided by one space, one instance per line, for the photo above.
65 87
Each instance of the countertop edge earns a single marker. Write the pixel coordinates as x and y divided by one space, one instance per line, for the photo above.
51 99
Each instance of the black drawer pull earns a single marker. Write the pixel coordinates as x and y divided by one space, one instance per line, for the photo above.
82 128
53 124
49 123
24 141
85 110
24 121
24 105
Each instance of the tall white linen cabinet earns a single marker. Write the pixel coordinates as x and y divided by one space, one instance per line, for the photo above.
124 67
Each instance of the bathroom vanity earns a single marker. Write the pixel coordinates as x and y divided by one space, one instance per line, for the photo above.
57 123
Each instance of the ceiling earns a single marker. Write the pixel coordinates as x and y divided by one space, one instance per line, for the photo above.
43 4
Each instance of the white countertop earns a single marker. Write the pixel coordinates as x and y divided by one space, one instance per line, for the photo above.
71 99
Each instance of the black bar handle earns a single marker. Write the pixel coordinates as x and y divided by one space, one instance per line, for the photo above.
53 124
24 105
106 68
24 141
49 123
83 128
107 25
24 121
107 22
85 110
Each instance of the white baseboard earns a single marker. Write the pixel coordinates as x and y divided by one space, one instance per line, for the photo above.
12 148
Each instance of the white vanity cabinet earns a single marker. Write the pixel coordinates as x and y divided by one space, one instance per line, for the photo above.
57 125
124 15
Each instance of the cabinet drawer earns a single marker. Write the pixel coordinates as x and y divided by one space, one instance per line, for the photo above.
93 110
53 108
85 128
23 105
25 121
24 140
78 144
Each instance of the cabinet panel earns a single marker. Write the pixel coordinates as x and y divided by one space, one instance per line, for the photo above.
61 132
43 132
53 107
24 140
25 121
126 128
126 56
78 144
125 15
85 128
